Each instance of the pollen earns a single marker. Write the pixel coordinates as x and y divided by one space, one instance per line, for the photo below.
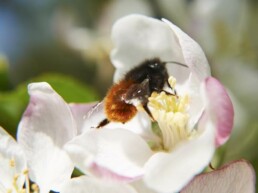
15 185
172 81
25 172
35 188
12 163
171 114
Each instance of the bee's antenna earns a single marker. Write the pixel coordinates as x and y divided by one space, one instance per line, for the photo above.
178 63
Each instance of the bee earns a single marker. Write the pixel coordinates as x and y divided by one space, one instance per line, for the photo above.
122 99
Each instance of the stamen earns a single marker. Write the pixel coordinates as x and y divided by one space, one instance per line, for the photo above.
12 163
172 81
14 182
35 188
22 191
27 180
15 185
171 114
25 172
15 178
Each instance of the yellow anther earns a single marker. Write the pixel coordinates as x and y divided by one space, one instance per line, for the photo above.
172 81
183 103
22 191
35 188
25 172
12 163
171 114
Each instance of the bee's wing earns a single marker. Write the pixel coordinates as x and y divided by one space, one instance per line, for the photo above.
94 117
96 108
140 92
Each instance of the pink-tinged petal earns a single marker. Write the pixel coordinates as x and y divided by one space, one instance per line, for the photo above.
46 125
80 111
12 162
107 174
237 177
86 184
117 154
137 38
221 109
193 54
170 172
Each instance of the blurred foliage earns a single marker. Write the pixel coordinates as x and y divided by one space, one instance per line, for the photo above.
52 56
13 103
4 82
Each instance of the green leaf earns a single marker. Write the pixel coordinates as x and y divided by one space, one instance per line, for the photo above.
70 89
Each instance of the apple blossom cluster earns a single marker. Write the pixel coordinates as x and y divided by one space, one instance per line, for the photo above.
139 156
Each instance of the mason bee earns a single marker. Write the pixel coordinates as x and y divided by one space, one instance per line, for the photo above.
122 99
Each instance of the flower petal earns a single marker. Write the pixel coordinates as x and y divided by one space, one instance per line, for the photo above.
12 163
237 177
221 109
46 125
170 172
86 184
141 187
80 112
137 38
117 153
193 54
192 88
140 124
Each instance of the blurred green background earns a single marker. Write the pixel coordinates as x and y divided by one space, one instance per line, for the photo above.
67 44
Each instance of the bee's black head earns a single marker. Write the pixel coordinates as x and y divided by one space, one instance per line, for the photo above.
155 64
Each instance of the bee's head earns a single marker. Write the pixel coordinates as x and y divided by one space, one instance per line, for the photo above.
157 64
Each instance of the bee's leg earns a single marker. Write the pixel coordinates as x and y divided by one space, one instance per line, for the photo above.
103 123
168 93
147 110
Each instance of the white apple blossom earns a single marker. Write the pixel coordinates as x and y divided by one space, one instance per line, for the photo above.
235 177
190 125
46 125
13 168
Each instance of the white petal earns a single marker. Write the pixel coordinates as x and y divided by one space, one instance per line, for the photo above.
196 104
46 125
94 117
117 154
137 38
141 187
192 53
86 184
10 151
80 112
170 172
140 124
237 177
